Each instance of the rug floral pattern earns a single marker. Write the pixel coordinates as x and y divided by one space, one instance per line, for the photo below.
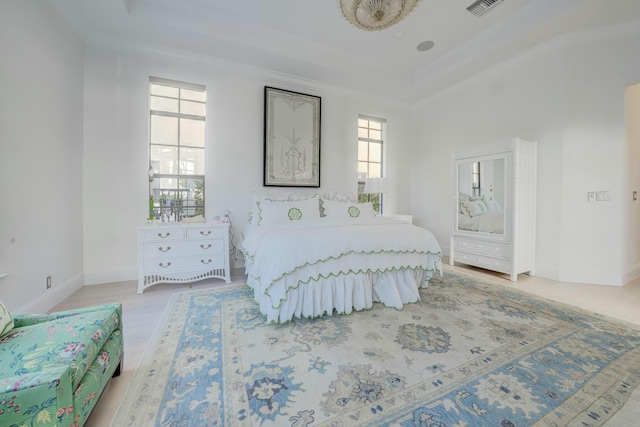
469 354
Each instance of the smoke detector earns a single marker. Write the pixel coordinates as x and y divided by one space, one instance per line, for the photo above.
481 7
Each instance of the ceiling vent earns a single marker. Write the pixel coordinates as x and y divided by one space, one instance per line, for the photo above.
481 7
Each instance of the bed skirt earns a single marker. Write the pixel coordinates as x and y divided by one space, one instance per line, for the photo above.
342 292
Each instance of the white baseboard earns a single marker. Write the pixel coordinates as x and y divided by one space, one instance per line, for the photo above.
53 297
445 251
110 277
547 272
589 277
631 273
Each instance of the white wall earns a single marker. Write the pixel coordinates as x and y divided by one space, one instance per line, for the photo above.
569 96
115 145
41 84
631 208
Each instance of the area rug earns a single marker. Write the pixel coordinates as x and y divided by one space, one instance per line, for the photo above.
471 353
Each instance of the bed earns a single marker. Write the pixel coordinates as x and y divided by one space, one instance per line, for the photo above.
488 222
317 256
478 214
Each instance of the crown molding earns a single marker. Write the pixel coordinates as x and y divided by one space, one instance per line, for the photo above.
71 17
563 41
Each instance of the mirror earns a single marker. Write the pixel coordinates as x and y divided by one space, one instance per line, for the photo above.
482 196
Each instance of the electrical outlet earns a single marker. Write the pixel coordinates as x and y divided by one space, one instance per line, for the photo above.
48 282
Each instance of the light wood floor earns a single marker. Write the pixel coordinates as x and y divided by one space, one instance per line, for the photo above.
141 314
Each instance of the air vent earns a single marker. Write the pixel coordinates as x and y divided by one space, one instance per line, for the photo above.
481 7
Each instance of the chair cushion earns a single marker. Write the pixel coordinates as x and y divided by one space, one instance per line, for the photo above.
6 320
72 342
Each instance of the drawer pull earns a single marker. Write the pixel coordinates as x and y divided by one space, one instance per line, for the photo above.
205 247
161 264
206 262
205 233
165 236
164 250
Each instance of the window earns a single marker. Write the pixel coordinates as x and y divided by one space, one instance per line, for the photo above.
371 133
176 149
475 179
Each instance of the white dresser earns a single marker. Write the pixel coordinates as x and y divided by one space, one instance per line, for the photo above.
178 253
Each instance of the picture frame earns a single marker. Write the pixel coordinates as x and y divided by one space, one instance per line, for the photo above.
291 139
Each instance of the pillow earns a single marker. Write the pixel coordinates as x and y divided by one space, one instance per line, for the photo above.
6 320
276 211
462 197
492 205
474 207
256 198
333 209
338 197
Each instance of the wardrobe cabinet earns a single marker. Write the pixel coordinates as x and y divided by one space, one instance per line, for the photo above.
494 207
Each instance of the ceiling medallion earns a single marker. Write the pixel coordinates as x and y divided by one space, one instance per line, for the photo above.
375 15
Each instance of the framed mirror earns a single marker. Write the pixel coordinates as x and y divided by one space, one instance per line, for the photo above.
482 195
291 139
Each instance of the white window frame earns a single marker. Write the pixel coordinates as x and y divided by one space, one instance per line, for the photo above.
172 203
376 199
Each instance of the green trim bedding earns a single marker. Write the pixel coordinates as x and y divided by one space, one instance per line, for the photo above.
318 266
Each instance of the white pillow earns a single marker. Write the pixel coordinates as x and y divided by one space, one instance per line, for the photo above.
474 207
276 211
257 197
338 197
492 205
6 320
333 209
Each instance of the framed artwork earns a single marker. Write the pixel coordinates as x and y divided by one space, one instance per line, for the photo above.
291 139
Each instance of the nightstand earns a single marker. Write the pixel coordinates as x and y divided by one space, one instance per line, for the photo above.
401 217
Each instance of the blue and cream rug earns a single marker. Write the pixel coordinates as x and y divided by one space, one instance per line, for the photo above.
471 353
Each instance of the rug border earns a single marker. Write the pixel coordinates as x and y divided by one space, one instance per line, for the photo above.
151 345
581 310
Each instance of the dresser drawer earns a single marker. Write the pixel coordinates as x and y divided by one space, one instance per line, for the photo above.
180 253
205 233
183 247
173 264
488 248
160 235
496 264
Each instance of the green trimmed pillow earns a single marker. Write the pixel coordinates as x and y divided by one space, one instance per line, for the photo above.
355 211
271 211
492 205
474 207
6 320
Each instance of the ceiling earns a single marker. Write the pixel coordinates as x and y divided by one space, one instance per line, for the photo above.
311 39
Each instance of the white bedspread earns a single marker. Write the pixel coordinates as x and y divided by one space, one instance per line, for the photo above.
489 222
309 268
